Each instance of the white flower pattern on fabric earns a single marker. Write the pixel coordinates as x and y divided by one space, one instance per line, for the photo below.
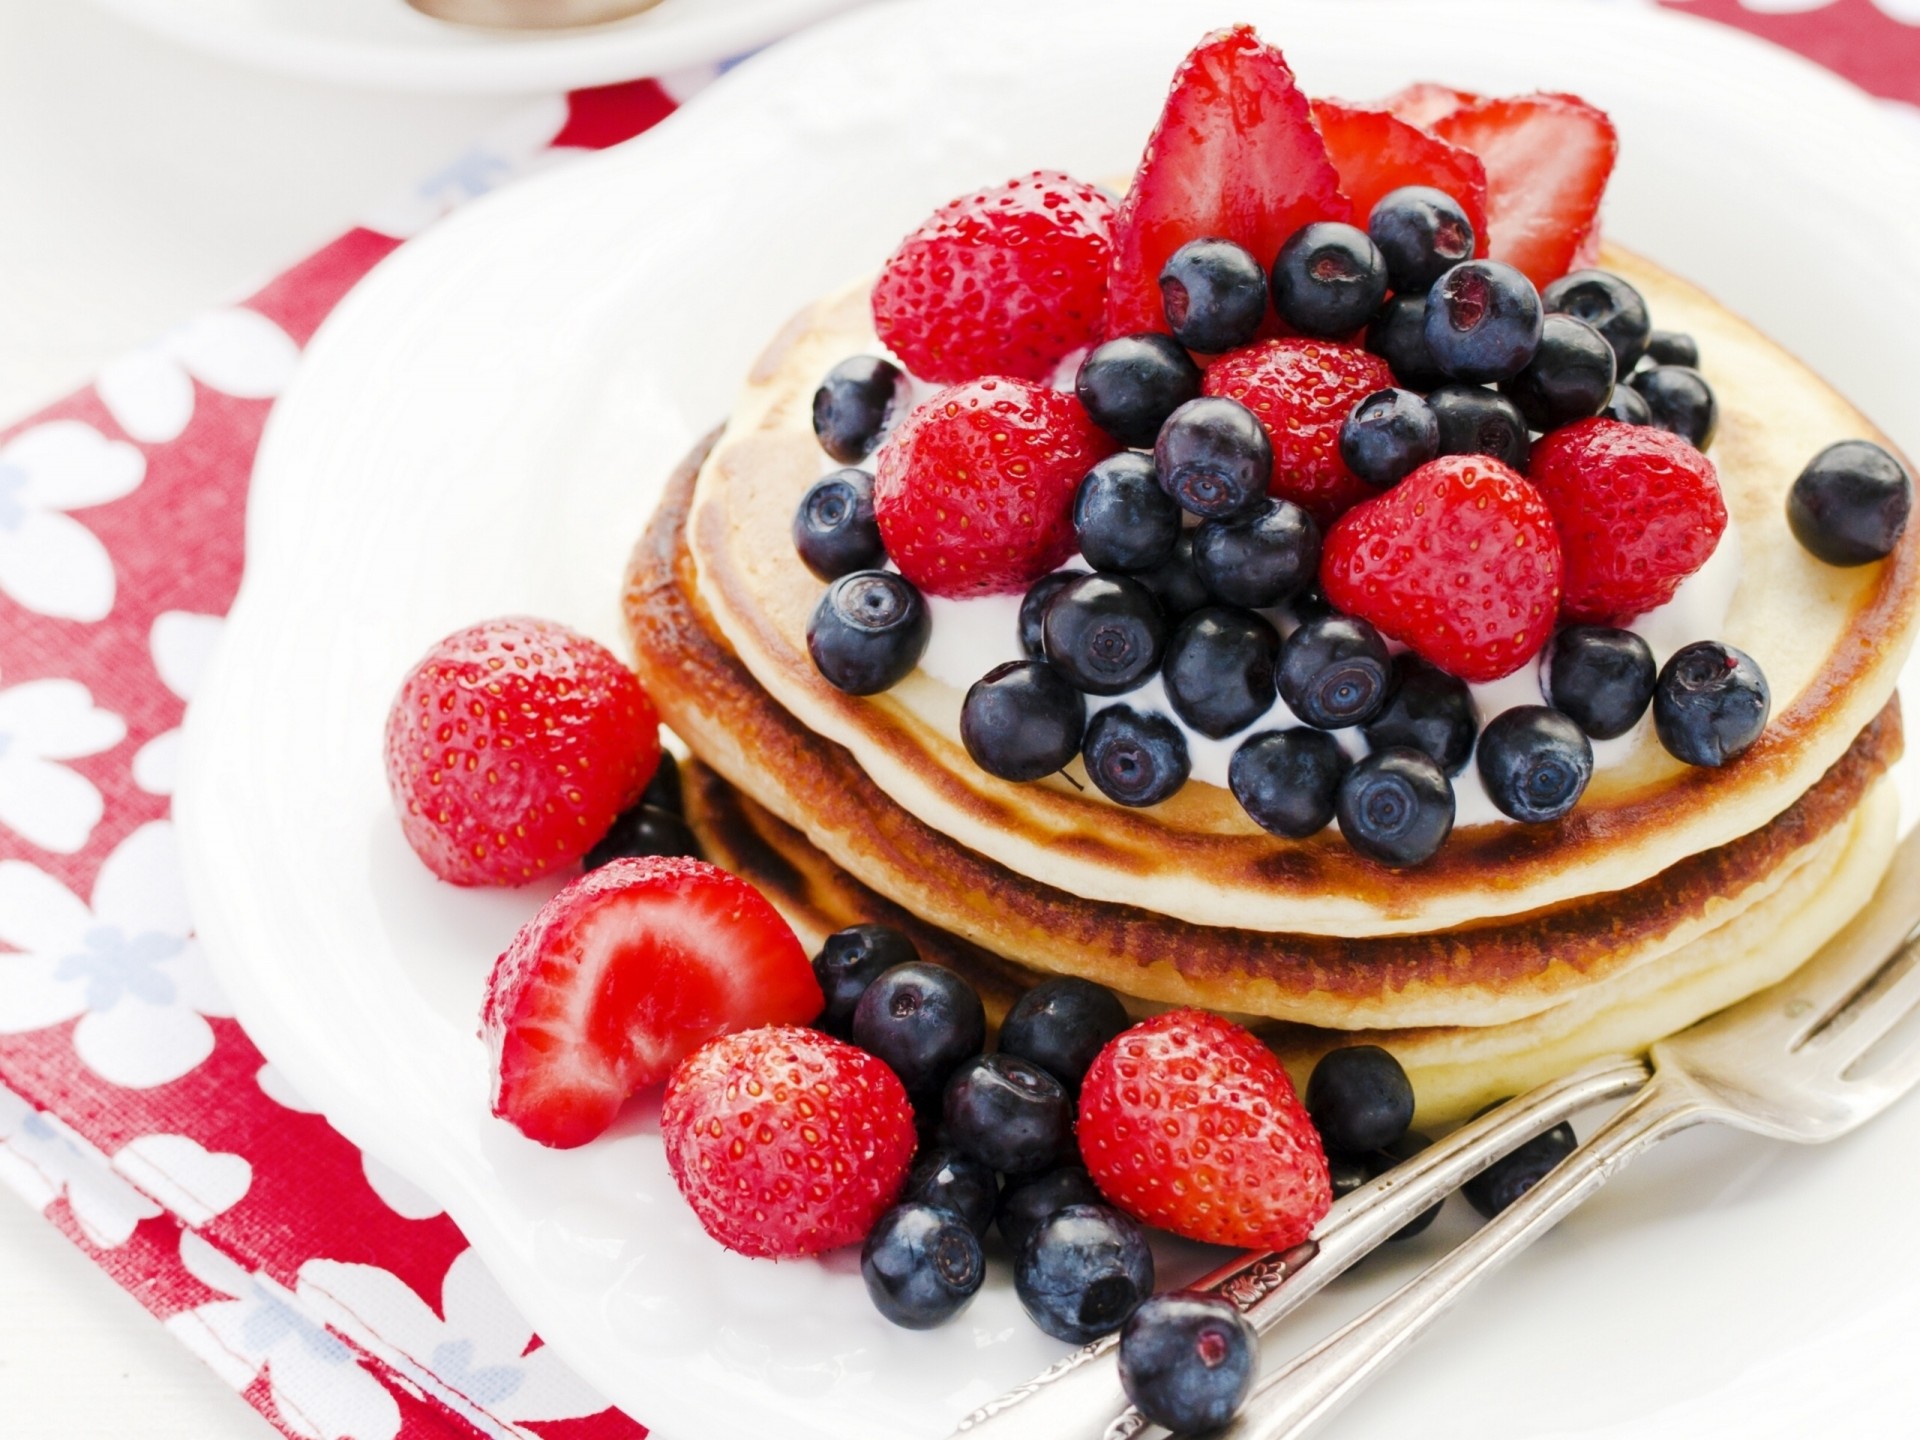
193 1182
49 562
42 1160
127 965
181 643
149 391
43 722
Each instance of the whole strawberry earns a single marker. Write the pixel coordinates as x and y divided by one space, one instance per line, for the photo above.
1005 281
1190 1123
974 490
512 746
1303 391
1459 561
785 1141
1638 510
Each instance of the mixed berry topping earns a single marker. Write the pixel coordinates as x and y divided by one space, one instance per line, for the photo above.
834 531
923 1020
1850 505
1010 1114
1131 385
1029 1202
1600 677
853 405
950 1179
1569 378
922 1264
1680 400
1389 435
1187 1361
1395 806
1214 295
848 962
1710 703
1061 1024
1473 420
1483 321
1535 763
1328 279
1287 780
1135 757
869 631
1082 1271
1259 558
1023 720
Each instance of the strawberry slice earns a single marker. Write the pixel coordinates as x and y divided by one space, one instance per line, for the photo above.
1424 102
619 977
1235 155
1376 151
1548 158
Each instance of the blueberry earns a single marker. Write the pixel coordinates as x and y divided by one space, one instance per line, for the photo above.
848 962
1672 347
1610 305
1177 584
1628 406
1517 1172
1379 1162
1346 1173
1033 610
1710 703
1535 763
1009 1113
1134 757
1215 295
922 1265
1124 520
643 830
664 791
1396 807
1187 1360
1031 1200
1389 435
1483 321
1023 720
1679 399
1359 1099
1286 780
1601 678
1398 336
1428 710
1105 633
1422 233
950 1179
1850 505
1474 421
1569 378
1214 457
852 406
868 631
1061 1024
1131 385
834 529
1219 668
1334 671
923 1020
1328 279
1260 558
1082 1272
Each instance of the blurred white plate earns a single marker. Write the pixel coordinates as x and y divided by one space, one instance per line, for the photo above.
483 428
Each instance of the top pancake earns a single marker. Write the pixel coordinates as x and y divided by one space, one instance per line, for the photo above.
1830 641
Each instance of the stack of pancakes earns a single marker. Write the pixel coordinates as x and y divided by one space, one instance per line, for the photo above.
1515 954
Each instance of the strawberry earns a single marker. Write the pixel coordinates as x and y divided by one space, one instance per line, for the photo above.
1548 158
1423 103
1638 511
620 975
511 748
1235 155
1188 1122
1375 152
785 1141
1005 281
974 490
1303 391
1459 561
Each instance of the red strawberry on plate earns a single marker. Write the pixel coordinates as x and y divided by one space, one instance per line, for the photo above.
1235 155
1459 561
1423 102
620 976
1375 152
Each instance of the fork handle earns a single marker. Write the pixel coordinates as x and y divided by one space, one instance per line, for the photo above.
1300 1396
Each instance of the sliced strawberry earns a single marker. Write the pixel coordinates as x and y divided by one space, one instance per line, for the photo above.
1548 158
1423 102
1375 152
622 974
1235 155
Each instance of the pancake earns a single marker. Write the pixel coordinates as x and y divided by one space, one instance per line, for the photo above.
1830 641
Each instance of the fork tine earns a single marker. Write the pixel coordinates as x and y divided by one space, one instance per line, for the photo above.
1873 1010
1888 1081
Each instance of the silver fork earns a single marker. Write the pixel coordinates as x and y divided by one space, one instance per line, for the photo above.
1802 1061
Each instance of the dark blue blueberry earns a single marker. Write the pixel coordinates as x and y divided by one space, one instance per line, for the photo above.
1082 1272
922 1265
1328 279
1399 337
852 406
1187 1360
1009 1113
848 962
1850 505
1396 807
1359 1099
1601 678
643 830
1177 584
1105 633
1672 347
1123 519
1219 668
1061 1024
664 791
1033 610
1260 558
1680 400
1483 321
1710 703
1379 1162
1389 435
1610 305
1131 385
1214 294
1628 406
1474 421
1214 457
1029 1201
1286 780
1135 757
868 631
923 1020
1334 671
1569 378
1422 233
1023 720
1429 710
834 529
1535 763
1517 1172
951 1179
1346 1173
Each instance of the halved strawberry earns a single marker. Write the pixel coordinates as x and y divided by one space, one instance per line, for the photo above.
621 975
1548 158
1235 155
1376 151
1424 102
